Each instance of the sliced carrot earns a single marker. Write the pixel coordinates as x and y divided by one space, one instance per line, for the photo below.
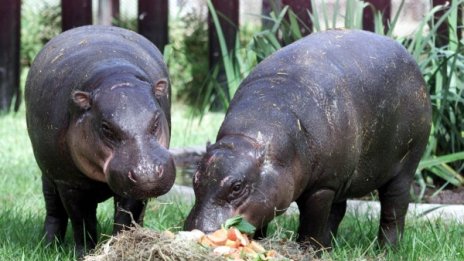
257 247
232 243
231 233
206 241
218 237
244 241
248 250
271 253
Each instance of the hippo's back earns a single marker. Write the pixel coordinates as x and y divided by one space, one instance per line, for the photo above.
70 59
328 65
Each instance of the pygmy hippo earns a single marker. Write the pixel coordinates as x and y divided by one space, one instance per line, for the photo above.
334 115
98 116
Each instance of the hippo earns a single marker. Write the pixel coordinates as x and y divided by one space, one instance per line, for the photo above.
335 115
98 117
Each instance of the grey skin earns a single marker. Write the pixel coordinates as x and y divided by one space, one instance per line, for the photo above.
98 116
332 116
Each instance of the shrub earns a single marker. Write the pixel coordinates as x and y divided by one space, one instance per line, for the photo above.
39 24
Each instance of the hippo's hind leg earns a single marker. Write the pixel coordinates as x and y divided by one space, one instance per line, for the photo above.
336 215
126 211
394 201
56 219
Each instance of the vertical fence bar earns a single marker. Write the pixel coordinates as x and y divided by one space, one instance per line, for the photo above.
10 28
301 9
228 13
108 10
384 6
75 13
443 30
153 21
460 21
115 10
267 7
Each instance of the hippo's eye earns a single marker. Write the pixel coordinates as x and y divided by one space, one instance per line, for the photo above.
155 124
236 190
154 128
108 132
236 187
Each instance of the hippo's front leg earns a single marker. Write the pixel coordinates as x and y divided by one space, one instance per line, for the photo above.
260 233
314 214
56 219
126 211
81 207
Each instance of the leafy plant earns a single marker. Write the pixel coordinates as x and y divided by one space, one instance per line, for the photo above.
190 56
205 88
442 68
39 24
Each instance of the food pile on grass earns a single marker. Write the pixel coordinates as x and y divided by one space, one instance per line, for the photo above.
231 242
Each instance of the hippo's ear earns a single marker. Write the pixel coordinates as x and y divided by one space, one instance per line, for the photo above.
264 154
261 152
82 99
208 146
161 88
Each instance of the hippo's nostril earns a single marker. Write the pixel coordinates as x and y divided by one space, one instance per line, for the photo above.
159 170
131 177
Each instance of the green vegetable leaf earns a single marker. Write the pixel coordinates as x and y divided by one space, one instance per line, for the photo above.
241 224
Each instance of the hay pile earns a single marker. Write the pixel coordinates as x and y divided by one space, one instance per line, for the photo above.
145 244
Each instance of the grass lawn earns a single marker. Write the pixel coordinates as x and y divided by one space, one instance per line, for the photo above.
22 207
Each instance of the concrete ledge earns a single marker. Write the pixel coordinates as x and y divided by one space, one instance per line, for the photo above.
450 213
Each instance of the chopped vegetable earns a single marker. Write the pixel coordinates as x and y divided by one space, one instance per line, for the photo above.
236 245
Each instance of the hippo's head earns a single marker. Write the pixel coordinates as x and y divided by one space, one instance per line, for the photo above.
119 134
238 176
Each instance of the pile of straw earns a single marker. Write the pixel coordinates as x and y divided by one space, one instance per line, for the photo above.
146 244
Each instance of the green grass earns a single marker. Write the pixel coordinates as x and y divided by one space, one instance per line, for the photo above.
22 207
356 239
188 131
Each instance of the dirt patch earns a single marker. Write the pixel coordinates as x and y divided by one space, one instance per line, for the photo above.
447 196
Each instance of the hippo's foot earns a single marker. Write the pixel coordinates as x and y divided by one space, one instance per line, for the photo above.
55 229
318 246
85 236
